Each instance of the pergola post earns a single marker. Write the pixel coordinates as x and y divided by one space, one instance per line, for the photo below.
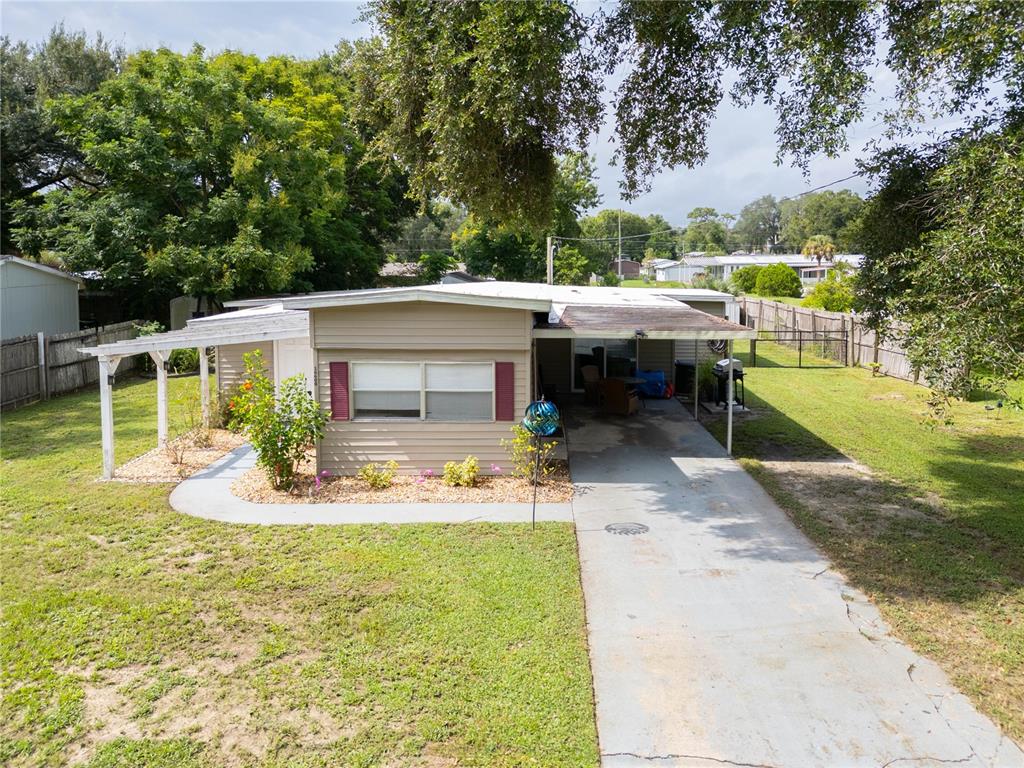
728 402
160 358
204 386
108 365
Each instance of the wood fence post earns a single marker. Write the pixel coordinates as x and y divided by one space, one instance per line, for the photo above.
41 361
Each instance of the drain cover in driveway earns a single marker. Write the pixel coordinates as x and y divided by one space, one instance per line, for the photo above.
627 529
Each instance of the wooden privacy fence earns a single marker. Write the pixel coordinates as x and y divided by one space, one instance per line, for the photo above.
786 321
39 367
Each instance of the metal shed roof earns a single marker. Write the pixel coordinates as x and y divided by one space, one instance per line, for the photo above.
625 322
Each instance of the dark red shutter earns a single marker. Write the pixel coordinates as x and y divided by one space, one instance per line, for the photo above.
505 391
339 391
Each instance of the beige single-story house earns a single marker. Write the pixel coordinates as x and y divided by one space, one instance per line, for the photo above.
423 375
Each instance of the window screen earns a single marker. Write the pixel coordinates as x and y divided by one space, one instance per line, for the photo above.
386 390
460 391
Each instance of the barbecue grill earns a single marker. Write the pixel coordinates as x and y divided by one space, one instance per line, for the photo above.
721 371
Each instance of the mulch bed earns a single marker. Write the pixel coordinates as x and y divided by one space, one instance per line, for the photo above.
159 465
253 486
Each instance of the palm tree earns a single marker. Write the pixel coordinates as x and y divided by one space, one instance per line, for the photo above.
820 247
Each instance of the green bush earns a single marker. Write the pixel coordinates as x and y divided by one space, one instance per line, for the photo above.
610 280
379 477
709 283
282 426
744 279
831 295
462 473
522 451
184 360
778 280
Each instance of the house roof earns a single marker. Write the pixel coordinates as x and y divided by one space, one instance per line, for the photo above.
572 311
536 296
759 259
42 268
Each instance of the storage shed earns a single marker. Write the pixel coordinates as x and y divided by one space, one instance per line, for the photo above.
35 297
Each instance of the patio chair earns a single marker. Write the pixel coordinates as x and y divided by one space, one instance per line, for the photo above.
619 398
591 384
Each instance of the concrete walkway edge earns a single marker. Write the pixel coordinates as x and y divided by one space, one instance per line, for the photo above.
207 494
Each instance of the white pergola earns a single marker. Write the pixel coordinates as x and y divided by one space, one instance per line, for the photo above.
268 323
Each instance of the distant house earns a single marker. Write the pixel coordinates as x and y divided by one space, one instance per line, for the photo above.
460 276
626 268
722 267
35 297
650 268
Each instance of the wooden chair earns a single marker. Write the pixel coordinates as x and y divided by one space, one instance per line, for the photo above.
619 398
591 384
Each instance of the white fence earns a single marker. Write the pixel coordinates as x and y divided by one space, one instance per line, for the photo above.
39 367
864 346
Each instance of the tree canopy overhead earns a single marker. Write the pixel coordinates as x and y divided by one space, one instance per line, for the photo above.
477 98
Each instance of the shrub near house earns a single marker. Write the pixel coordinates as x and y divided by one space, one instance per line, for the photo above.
282 426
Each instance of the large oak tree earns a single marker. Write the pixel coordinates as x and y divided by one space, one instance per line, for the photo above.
223 176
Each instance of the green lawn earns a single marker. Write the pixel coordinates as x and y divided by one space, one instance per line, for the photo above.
653 284
136 636
936 536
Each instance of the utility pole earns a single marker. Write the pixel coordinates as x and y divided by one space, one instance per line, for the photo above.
551 260
618 257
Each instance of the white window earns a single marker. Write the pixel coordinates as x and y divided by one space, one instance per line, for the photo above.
430 391
386 390
459 391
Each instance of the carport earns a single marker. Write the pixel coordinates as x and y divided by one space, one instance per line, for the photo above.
267 323
651 335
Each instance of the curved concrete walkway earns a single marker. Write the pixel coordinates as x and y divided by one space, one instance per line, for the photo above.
208 494
719 635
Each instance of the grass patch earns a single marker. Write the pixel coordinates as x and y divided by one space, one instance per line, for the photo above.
638 283
932 527
136 636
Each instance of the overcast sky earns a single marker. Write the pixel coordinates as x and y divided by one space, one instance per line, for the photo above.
741 165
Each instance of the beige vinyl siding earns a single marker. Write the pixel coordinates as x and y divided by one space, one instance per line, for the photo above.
416 445
554 356
231 366
658 355
421 325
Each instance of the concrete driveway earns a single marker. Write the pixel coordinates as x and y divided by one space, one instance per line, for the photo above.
718 634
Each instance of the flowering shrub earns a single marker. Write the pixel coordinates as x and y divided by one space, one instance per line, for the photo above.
462 473
425 474
281 426
381 477
522 451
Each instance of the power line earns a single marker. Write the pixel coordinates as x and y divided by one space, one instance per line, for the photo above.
823 186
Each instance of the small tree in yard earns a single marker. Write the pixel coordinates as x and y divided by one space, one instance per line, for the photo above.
778 280
281 426
835 293
819 247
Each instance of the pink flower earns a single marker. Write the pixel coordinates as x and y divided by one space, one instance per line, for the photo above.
495 469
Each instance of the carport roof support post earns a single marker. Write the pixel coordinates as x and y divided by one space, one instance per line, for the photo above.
107 367
728 402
